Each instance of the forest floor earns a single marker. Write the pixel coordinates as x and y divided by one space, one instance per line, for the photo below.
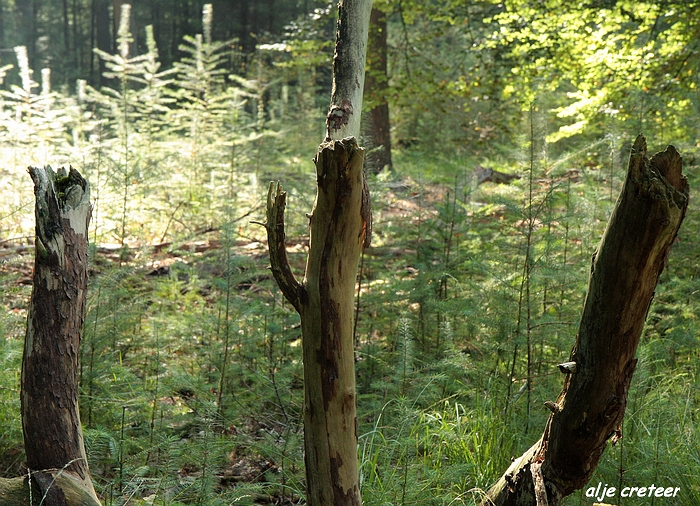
190 363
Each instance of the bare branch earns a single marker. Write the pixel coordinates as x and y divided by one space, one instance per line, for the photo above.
279 263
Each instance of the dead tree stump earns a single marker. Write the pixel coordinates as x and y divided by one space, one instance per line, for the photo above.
624 273
324 301
53 437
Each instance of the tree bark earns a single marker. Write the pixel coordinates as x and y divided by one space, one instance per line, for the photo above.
624 272
340 226
343 119
66 37
53 438
376 86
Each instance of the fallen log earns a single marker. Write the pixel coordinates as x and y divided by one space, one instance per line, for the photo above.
487 174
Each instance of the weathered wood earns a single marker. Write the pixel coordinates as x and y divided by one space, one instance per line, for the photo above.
15 491
53 437
336 239
624 273
324 301
341 225
279 263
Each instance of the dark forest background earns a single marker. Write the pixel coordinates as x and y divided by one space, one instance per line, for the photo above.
62 34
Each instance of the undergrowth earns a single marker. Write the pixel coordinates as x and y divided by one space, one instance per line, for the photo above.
191 378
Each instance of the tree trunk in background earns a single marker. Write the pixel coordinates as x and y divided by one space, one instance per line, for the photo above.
27 21
103 33
53 437
624 273
66 37
244 31
270 15
376 85
2 25
77 39
340 226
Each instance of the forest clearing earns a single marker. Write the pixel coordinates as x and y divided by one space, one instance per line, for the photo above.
525 241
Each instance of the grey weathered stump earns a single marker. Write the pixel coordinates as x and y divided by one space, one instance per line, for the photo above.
624 273
53 438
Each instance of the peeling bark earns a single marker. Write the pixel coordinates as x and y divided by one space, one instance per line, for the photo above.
53 437
624 273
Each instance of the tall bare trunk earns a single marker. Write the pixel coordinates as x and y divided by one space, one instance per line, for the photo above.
340 228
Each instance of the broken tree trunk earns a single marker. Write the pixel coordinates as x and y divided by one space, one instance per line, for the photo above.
324 301
53 437
624 273
340 226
